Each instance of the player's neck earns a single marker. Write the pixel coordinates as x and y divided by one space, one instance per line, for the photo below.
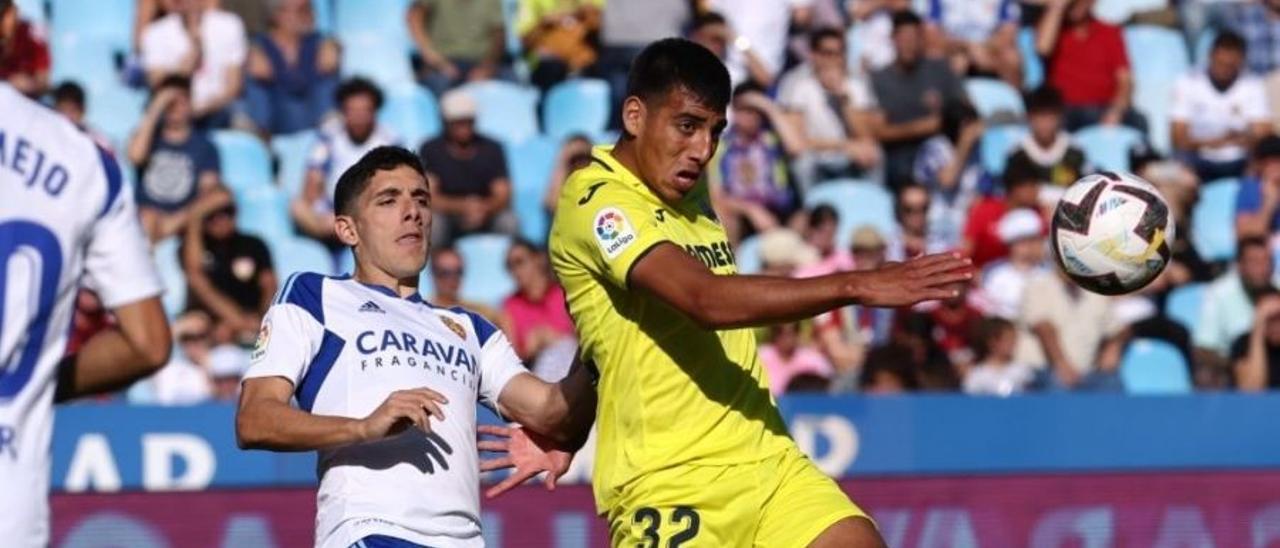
372 275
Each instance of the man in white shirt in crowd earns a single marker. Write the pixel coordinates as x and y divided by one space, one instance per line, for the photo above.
204 43
1218 113
386 383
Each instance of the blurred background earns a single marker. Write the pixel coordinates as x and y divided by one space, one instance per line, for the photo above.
1025 413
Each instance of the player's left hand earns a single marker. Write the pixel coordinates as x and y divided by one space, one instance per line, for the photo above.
527 452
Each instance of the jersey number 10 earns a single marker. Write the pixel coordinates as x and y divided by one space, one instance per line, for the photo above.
19 241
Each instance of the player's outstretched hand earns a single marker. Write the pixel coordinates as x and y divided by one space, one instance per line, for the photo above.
924 278
527 452
402 409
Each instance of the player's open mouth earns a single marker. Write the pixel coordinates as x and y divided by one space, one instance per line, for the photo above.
687 177
410 239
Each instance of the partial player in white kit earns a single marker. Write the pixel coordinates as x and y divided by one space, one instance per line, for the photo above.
66 220
386 384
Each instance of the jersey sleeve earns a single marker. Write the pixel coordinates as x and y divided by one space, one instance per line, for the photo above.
498 360
118 263
292 332
611 227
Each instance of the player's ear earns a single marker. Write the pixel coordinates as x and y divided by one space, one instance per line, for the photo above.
344 227
633 112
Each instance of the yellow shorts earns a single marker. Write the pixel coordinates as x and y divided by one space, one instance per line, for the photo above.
781 501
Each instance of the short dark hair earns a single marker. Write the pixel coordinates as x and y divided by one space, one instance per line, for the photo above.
676 63
818 35
1229 40
175 81
356 178
68 92
358 86
823 214
1251 241
985 332
527 244
905 18
748 86
707 19
1018 171
1044 98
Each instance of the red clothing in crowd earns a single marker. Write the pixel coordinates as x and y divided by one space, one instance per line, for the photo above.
526 315
27 53
980 231
1085 61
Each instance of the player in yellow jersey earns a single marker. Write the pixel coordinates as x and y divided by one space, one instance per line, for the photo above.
691 448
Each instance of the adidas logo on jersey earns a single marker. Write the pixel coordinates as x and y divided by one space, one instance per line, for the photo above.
370 306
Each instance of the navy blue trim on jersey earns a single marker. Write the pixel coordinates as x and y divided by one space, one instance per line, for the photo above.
330 347
384 541
484 329
114 181
306 292
284 288
414 298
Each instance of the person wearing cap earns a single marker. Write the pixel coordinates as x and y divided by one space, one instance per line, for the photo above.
229 273
226 364
341 142
1256 203
981 239
470 188
1022 231
1047 146
184 380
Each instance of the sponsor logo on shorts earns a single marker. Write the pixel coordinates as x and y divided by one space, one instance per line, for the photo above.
613 231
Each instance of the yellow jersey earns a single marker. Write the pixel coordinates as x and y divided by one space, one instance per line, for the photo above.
670 392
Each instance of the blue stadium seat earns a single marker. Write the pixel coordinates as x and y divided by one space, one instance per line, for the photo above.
88 60
292 151
857 203
748 255
1107 147
245 161
32 11
996 145
991 97
1032 65
324 15
379 57
114 109
263 210
110 20
411 110
1213 220
1154 76
1204 43
507 111
380 17
1183 305
485 278
1152 366
530 165
291 254
169 265
579 105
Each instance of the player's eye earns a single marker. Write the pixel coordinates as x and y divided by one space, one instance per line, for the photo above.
686 127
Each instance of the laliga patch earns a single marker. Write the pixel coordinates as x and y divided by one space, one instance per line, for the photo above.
264 338
613 232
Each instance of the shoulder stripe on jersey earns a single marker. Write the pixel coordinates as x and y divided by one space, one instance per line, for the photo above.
114 180
602 163
306 293
484 329
330 347
284 288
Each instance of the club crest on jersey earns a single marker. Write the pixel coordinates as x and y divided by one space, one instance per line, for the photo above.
454 326
264 337
613 231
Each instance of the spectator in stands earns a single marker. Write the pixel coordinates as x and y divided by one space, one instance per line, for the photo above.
1255 356
1005 282
446 278
889 370
341 143
749 182
833 108
786 355
997 373
910 94
982 242
1068 328
950 167
1218 113
870 326
24 56
783 252
872 22
710 30
559 37
205 44
184 380
978 38
951 324
820 234
1259 24
1047 147
1180 188
178 166
459 41
537 310
622 36
913 209
470 190
1087 62
293 71
227 364
575 154
1259 196
229 273
760 26
69 100
1228 309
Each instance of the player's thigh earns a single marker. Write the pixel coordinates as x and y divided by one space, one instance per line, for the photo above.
805 505
693 508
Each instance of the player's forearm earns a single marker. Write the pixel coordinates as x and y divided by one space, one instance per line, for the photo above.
278 426
113 359
575 402
728 302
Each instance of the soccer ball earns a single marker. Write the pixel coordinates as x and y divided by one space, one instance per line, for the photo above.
1111 233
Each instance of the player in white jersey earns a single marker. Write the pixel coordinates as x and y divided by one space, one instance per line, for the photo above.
386 384
65 220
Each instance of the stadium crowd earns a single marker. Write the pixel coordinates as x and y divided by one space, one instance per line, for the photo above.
861 131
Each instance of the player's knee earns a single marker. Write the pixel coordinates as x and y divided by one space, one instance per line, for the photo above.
850 532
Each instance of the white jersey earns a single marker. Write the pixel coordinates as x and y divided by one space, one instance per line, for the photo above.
65 219
346 346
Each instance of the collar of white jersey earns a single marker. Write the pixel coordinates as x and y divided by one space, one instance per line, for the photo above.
413 298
